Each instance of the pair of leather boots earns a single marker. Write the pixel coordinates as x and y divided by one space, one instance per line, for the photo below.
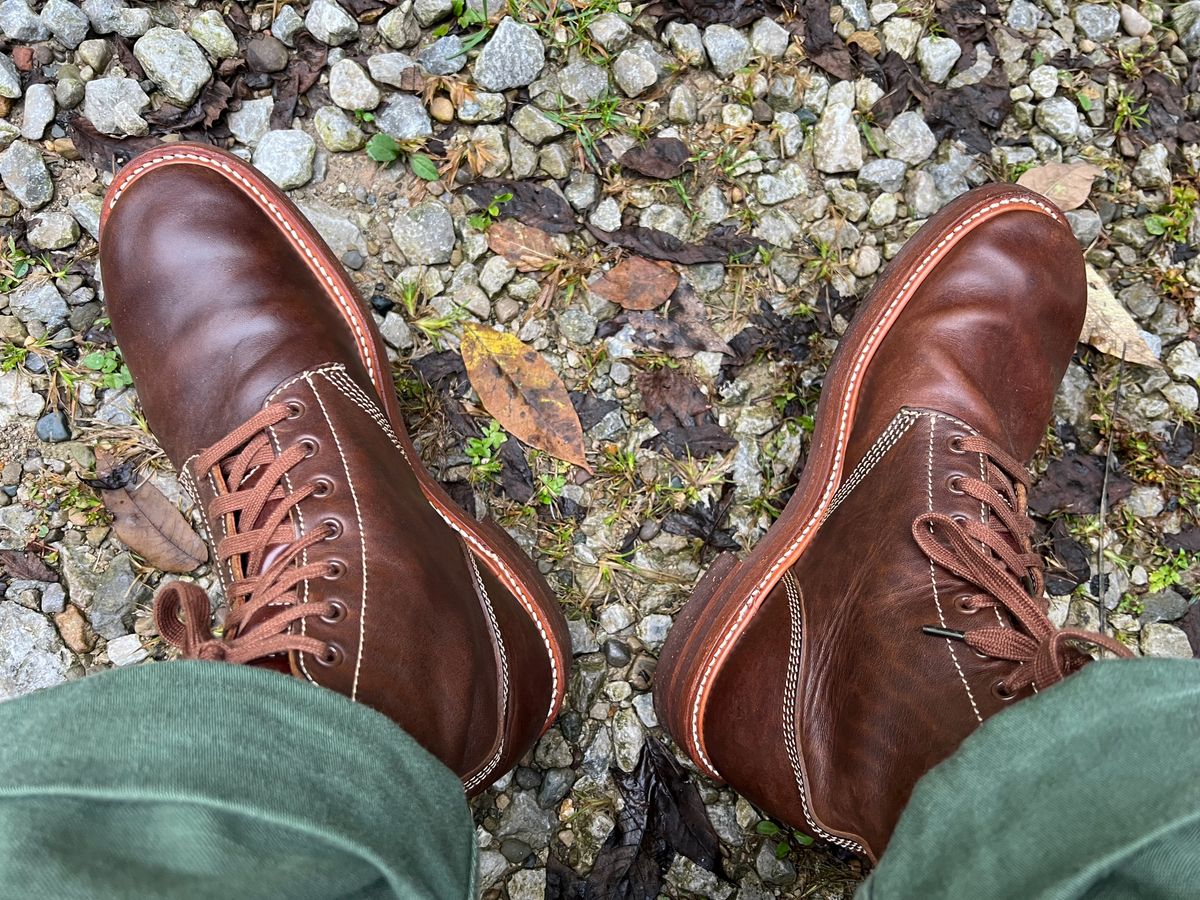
895 604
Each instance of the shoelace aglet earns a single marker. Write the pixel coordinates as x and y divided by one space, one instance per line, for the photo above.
937 631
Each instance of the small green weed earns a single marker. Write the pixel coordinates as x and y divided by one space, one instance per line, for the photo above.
113 371
483 452
482 220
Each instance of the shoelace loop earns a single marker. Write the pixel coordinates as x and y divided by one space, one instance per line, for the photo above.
257 508
998 558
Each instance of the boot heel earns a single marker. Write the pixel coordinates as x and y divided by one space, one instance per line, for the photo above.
678 674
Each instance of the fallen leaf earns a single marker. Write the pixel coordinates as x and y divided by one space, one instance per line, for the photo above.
636 283
150 525
106 154
663 157
961 113
721 244
661 816
591 409
773 334
1110 328
1190 625
704 522
682 414
737 13
1067 563
683 332
528 249
822 44
517 386
541 207
25 565
868 40
1073 484
302 72
1067 184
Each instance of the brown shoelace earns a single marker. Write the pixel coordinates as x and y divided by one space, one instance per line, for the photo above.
998 558
246 463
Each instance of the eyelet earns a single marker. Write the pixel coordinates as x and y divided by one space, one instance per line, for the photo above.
339 613
310 447
334 528
333 656
336 568
953 484
295 409
955 444
960 603
1000 692
322 487
959 519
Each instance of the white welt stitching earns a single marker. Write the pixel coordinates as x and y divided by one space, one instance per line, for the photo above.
345 302
362 538
880 328
791 686
483 773
933 576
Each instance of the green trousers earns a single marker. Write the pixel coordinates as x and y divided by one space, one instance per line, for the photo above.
197 780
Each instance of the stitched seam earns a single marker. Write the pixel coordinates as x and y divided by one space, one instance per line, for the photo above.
791 688
843 424
362 539
346 304
479 776
933 578
896 429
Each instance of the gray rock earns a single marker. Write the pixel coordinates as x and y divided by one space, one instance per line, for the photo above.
768 38
174 62
396 332
937 56
66 21
1160 639
54 599
628 735
16 523
18 399
682 106
836 145
329 23
115 106
53 231
424 234
577 326
1097 22
108 16
68 92
482 106
789 182
10 80
1184 362
728 49
901 34
512 57
8 133
430 12
400 27
286 157
1059 118
390 68
39 111
1023 17
445 56
1163 606
350 88
251 120
117 594
210 31
607 215
686 41
404 117
95 53
287 25
527 884
883 174
634 73
1133 22
1186 19
126 650
86 210
24 174
1043 81
582 82
20 23
1085 224
525 820
533 125
1153 169
771 869
53 428
556 784
610 31
39 303
910 139
337 131
117 408
32 655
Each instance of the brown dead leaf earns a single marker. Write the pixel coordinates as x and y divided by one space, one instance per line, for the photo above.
1067 184
517 386
637 283
662 157
1110 328
528 249
150 525
25 565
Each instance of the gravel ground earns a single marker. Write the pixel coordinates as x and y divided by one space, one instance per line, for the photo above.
829 136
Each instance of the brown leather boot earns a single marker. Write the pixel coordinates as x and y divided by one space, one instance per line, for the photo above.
265 380
897 602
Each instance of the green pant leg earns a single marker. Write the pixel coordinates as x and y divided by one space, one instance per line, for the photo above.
208 780
1090 789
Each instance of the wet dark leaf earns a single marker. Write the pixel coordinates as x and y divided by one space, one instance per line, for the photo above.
149 524
703 522
542 207
822 44
636 283
1072 484
737 13
967 23
516 478
901 82
590 408
111 477
25 565
439 368
683 332
721 245
663 157
462 494
1068 566
302 72
772 334
1188 540
682 414
105 153
128 61
963 112
662 815
207 109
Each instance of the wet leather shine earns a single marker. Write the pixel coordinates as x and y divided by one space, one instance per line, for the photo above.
833 692
220 313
